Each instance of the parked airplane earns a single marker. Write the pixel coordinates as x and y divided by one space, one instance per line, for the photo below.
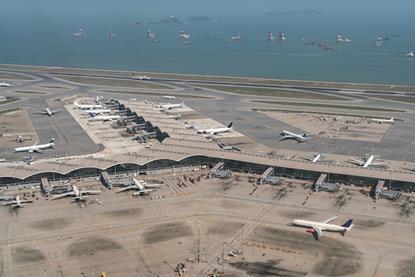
299 137
36 147
140 186
17 203
21 139
380 120
48 111
5 85
104 118
87 106
169 97
96 112
317 228
79 195
367 161
316 158
214 131
171 106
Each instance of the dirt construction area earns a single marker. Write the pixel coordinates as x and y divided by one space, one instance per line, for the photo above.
334 126
197 226
14 124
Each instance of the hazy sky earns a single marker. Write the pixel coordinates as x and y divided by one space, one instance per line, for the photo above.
154 9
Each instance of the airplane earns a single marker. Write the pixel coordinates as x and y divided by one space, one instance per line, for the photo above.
299 137
171 106
87 107
169 97
36 147
317 228
214 131
79 195
21 139
17 203
5 85
48 112
380 120
367 161
140 186
96 112
316 158
104 118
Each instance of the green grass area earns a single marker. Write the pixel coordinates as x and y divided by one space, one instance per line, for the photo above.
29 92
156 94
9 100
12 76
404 99
270 92
9 110
113 82
316 105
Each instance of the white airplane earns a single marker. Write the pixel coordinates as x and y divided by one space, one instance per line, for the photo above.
171 106
214 131
5 85
36 147
79 195
317 228
367 161
17 203
48 112
104 118
380 120
317 158
140 186
96 112
169 97
298 137
87 106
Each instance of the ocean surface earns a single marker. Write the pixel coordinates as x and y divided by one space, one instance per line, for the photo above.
49 41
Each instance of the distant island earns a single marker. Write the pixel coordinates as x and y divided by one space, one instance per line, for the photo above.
170 20
202 18
295 12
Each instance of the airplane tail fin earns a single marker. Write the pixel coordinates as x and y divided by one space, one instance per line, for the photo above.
230 124
348 223
52 140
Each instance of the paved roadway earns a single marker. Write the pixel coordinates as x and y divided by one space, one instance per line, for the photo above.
398 143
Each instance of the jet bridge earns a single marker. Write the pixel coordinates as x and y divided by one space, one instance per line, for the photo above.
320 181
267 173
378 189
105 179
45 186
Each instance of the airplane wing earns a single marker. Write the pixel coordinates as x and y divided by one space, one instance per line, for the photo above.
329 220
358 162
26 201
125 189
153 185
55 111
318 232
42 113
90 192
37 151
144 191
10 203
62 195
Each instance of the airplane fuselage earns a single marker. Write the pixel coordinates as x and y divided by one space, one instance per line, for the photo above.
322 226
368 161
215 131
34 147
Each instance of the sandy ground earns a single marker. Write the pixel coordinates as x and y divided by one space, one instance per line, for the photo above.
14 124
331 126
199 224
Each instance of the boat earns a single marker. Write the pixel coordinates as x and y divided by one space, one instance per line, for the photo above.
307 41
281 36
80 33
410 54
184 35
341 39
238 37
270 36
111 35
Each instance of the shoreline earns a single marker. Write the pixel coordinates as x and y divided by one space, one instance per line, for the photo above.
214 79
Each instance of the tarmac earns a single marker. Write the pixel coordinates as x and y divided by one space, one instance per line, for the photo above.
210 225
